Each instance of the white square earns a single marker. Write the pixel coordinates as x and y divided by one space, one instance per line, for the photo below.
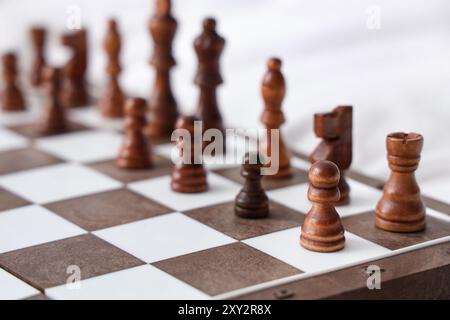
13 288
91 117
362 198
220 190
438 189
140 283
57 182
163 237
85 146
10 140
285 246
33 225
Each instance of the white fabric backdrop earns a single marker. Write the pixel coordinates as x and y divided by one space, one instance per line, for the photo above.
397 77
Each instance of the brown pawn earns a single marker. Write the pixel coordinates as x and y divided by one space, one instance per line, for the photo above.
54 120
162 106
38 38
322 229
11 98
136 151
252 201
335 129
401 208
273 90
73 87
112 101
188 175
208 47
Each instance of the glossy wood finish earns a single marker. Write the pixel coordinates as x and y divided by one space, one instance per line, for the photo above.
335 129
136 152
322 229
162 106
188 174
209 46
38 37
54 118
251 202
73 87
112 100
11 98
273 90
401 208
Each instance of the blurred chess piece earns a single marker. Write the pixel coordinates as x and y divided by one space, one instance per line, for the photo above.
11 98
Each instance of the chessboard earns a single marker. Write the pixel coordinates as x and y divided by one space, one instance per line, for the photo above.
68 213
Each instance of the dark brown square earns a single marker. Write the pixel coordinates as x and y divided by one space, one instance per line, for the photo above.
107 209
25 159
45 265
162 166
363 225
9 200
222 218
437 205
226 268
299 176
31 130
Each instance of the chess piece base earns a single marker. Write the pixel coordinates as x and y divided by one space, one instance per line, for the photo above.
401 227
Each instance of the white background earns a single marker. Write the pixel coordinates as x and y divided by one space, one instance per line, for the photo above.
397 77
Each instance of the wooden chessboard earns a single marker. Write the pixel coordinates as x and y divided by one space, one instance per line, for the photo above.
65 207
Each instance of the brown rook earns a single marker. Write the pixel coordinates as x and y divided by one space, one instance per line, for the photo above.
252 201
273 90
322 229
335 129
136 151
401 208
163 110
188 174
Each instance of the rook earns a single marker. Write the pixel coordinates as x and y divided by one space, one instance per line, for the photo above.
401 208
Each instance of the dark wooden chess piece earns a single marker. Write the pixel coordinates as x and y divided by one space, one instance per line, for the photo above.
11 98
73 87
335 129
53 120
273 90
251 202
401 208
136 151
209 47
322 229
112 101
163 110
188 174
38 38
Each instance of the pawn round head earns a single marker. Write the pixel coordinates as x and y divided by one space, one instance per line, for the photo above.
186 122
135 106
112 24
324 174
209 24
274 64
50 74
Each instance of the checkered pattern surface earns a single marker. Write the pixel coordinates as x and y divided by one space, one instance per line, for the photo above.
67 210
